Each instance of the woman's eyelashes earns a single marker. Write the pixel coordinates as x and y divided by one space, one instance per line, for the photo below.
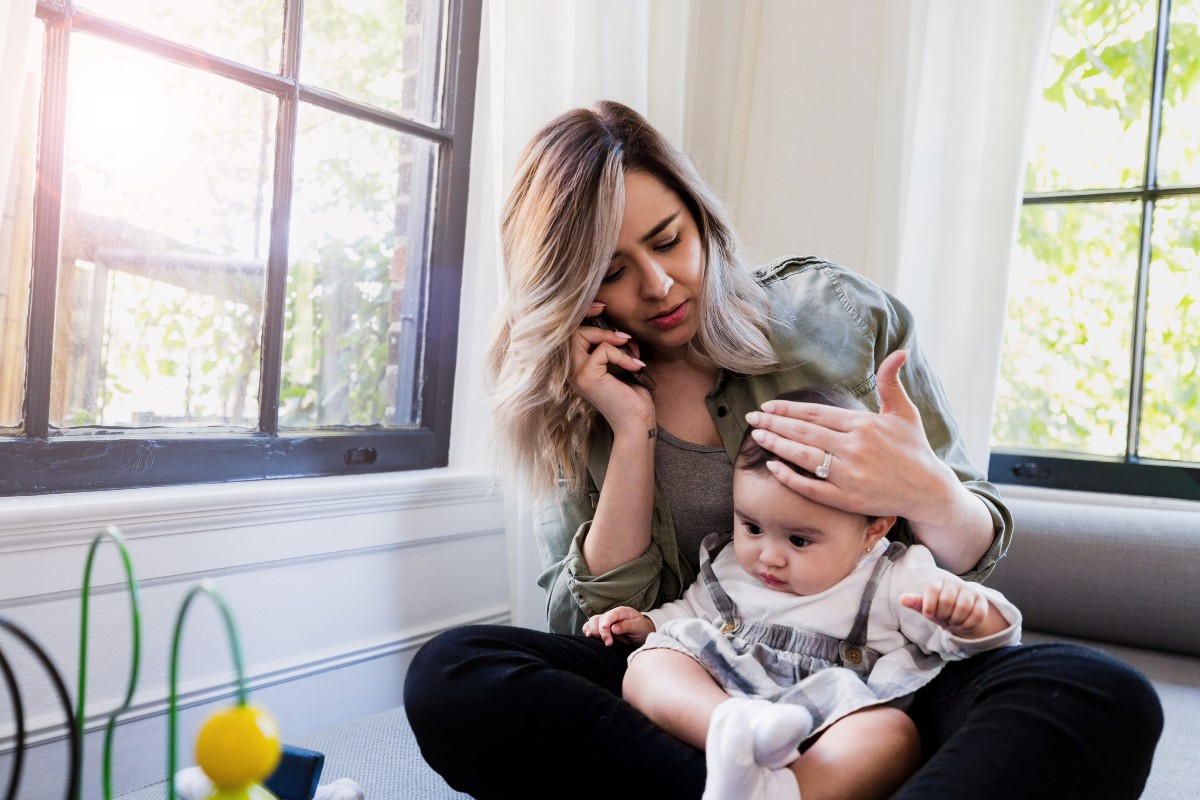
612 276
658 248
665 246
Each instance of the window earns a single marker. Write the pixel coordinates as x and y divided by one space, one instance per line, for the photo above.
232 241
1099 386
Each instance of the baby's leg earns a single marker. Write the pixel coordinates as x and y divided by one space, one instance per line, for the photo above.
673 690
868 754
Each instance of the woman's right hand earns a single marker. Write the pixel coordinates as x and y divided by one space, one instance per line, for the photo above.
623 405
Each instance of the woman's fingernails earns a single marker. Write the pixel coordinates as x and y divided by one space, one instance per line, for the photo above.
639 362
753 418
623 335
768 407
759 434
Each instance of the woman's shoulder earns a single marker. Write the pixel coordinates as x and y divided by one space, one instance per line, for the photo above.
820 291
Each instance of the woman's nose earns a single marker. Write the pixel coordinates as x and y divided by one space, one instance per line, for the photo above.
656 284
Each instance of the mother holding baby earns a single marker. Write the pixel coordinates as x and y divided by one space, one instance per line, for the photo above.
609 225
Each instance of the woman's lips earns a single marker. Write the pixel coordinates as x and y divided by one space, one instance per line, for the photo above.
671 318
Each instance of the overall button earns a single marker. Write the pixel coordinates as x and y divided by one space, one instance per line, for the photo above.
854 655
728 629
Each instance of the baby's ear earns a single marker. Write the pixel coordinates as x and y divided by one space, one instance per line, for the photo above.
878 528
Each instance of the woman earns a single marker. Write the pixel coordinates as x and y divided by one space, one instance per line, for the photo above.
606 219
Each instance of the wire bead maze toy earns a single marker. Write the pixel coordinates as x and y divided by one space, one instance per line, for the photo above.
237 748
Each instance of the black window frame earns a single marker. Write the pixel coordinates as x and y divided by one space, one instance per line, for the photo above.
1132 475
38 459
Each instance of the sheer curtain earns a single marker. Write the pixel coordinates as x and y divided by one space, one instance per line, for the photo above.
15 32
889 136
539 58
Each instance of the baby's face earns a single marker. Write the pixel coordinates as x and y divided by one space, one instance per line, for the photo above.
793 544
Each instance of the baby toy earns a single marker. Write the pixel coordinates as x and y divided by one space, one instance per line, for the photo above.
238 749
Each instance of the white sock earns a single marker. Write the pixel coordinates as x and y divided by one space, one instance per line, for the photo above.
777 730
733 773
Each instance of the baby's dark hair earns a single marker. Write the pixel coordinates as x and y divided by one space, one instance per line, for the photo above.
754 457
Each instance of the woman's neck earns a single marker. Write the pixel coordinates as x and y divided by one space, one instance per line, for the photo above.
679 405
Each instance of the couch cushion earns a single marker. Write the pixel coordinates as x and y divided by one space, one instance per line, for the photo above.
1085 566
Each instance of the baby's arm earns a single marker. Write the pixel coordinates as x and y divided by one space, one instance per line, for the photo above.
958 606
624 623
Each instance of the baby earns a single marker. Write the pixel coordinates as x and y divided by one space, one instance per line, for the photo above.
810 616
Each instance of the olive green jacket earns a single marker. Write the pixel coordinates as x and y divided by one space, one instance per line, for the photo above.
833 327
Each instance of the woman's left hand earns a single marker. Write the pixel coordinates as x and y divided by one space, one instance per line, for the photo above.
879 464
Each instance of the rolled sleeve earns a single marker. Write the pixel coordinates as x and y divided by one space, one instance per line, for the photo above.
573 592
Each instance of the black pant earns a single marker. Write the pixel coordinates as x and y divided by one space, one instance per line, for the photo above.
505 712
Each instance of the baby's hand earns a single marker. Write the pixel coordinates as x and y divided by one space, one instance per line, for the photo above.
958 606
624 623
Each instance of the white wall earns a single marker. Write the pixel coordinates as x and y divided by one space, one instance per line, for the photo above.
334 583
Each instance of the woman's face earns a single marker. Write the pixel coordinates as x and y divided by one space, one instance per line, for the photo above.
653 286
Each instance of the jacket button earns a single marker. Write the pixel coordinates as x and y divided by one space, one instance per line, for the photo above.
722 411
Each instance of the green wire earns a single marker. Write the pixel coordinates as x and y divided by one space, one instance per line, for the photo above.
135 604
209 588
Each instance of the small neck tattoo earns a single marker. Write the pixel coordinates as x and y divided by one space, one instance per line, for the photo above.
650 434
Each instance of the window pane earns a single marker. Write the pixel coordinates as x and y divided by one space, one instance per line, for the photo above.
1064 371
387 53
1089 124
165 232
18 151
249 31
1171 399
355 308
1179 145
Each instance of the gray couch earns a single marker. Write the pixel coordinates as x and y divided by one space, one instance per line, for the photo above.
1087 568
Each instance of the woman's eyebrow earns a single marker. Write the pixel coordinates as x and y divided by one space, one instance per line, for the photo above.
655 231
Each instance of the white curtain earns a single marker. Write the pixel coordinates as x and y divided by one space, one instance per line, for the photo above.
885 134
889 136
539 58
16 17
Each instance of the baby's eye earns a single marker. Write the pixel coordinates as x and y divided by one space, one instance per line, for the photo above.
798 541
751 528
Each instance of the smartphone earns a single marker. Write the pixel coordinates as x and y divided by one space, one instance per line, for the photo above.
640 377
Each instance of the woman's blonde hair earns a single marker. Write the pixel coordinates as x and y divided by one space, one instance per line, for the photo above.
558 232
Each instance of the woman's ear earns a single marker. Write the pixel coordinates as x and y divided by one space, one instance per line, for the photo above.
877 528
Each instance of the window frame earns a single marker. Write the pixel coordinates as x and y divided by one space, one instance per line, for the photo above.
37 459
1131 474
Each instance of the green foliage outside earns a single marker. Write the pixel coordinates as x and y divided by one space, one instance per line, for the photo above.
1065 381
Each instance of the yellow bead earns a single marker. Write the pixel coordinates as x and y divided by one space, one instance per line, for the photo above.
238 747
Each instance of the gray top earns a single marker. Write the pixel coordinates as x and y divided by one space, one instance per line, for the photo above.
699 483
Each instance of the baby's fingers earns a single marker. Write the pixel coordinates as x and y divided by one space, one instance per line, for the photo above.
911 600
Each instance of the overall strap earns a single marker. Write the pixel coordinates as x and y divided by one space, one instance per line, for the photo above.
855 642
709 548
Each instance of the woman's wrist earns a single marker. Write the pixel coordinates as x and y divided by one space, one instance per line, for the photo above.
954 523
